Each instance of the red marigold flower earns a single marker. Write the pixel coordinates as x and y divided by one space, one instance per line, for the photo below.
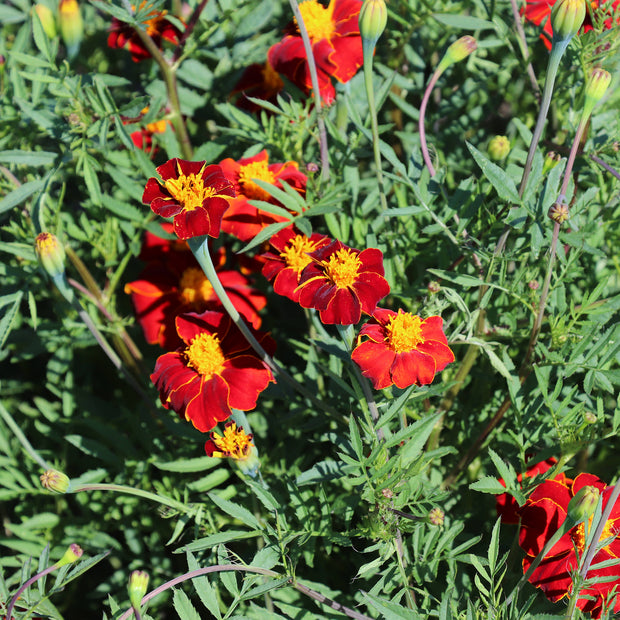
233 444
143 138
173 283
539 11
342 282
401 349
158 27
194 194
242 219
214 371
506 505
336 45
260 82
541 516
291 257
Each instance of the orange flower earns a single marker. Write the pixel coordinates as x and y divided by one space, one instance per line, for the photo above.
233 444
336 45
242 219
401 349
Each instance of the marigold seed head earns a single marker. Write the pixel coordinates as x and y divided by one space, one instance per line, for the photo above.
47 20
312 167
459 50
138 583
534 285
72 554
559 213
583 504
566 18
436 516
387 493
498 148
55 481
372 21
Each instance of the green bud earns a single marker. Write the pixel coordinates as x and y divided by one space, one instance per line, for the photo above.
558 212
47 20
552 159
498 148
55 481
583 504
566 18
436 516
51 254
372 21
71 25
72 554
590 417
458 51
596 87
138 583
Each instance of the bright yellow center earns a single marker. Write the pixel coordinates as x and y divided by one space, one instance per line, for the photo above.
205 355
404 332
579 534
195 288
189 191
342 268
255 170
318 20
296 254
233 444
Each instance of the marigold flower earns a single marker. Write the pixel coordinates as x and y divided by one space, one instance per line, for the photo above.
143 138
214 371
290 257
235 443
401 349
173 283
342 282
158 27
539 11
194 194
336 45
260 82
242 219
541 516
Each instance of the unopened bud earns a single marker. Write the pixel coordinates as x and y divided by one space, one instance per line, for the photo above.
372 22
72 554
583 504
552 159
458 51
387 493
47 20
55 481
138 583
312 167
498 148
559 213
436 516
71 25
534 285
51 254
597 86
566 18
433 287
590 417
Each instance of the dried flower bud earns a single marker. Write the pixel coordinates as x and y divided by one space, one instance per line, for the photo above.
46 17
566 18
372 22
433 287
583 504
138 583
498 148
552 159
387 493
534 285
458 51
72 554
312 167
559 213
51 254
71 25
436 516
55 481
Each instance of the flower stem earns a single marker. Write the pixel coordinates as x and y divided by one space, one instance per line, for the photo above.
191 24
425 98
524 49
25 586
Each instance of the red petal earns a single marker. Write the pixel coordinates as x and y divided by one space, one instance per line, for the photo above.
375 360
413 367
210 405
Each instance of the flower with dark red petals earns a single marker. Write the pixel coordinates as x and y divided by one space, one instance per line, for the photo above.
288 258
401 349
541 517
259 82
158 27
214 371
234 443
242 219
342 282
336 45
173 283
194 194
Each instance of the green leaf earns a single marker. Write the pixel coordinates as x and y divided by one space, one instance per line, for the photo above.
89 166
236 511
40 38
324 470
28 158
420 432
218 539
488 484
200 463
19 195
204 589
6 323
463 22
183 606
503 184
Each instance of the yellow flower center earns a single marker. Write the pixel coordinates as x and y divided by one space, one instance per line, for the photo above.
271 78
318 20
579 534
189 191
195 287
235 443
205 355
255 170
342 268
296 254
404 332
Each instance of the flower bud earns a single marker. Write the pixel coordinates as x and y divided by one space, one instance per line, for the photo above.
552 159
47 20
71 25
458 51
372 21
138 583
498 148
436 516
590 417
566 18
433 287
55 481
583 504
72 554
51 254
558 213
596 87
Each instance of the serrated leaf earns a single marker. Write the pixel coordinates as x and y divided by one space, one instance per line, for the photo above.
204 589
235 511
6 323
322 471
488 484
183 606
17 196
218 539
503 184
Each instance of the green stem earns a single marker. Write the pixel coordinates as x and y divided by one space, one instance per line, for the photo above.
421 129
26 585
6 416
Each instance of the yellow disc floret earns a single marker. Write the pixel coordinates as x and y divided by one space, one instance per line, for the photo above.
295 255
342 268
255 170
235 443
205 355
189 191
404 332
195 287
579 534
318 20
